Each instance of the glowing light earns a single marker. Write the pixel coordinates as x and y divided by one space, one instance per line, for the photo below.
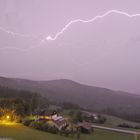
6 122
48 37
7 117
47 117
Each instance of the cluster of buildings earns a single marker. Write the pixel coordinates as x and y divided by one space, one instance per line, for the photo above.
54 119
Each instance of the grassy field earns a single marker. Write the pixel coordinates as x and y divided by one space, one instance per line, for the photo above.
20 132
114 121
111 121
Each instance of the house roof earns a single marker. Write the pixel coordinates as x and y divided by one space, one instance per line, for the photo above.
55 118
85 125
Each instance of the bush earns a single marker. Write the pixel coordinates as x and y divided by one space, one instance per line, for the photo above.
125 125
137 127
27 122
102 120
53 129
37 124
41 125
45 126
67 132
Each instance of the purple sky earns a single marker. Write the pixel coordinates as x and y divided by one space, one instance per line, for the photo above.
102 53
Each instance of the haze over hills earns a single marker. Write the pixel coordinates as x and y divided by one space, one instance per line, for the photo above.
85 53
88 97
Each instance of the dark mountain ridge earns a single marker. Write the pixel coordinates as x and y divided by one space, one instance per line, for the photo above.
88 97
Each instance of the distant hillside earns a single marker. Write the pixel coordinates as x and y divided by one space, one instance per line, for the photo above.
7 93
89 97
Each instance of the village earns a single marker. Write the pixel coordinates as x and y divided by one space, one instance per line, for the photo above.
65 125
70 125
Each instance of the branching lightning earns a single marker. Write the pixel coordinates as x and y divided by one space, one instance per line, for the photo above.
17 34
89 21
61 32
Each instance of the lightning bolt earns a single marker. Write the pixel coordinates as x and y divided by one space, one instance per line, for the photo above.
89 21
61 32
14 34
17 34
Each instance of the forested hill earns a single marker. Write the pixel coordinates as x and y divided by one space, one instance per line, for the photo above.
6 92
89 97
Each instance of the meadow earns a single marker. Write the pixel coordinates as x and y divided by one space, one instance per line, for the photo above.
20 132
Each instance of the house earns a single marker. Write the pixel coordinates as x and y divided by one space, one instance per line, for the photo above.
59 121
85 127
90 117
53 119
